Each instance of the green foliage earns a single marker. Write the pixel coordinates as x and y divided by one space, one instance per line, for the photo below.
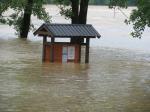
65 9
132 2
96 2
63 2
120 3
15 18
140 18
39 11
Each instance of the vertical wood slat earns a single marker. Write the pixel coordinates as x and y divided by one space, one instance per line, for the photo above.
44 48
87 50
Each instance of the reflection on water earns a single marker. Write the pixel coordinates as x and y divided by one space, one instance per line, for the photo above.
116 80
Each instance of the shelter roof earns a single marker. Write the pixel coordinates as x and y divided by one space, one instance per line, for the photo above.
67 30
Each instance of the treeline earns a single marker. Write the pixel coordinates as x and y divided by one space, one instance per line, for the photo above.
99 2
106 2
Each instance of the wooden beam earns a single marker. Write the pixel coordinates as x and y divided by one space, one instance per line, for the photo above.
79 53
52 49
68 43
43 33
87 50
44 48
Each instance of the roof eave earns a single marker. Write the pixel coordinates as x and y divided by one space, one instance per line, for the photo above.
35 33
43 26
67 36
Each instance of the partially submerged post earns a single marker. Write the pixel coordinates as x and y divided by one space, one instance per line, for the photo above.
66 51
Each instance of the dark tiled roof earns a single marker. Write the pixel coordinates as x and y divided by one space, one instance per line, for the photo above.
70 30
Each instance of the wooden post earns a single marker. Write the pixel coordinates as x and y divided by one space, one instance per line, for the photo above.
87 50
52 49
44 48
80 41
79 53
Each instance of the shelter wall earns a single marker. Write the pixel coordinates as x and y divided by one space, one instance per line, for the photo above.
59 55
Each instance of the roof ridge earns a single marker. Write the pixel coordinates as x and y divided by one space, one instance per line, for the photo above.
69 30
68 24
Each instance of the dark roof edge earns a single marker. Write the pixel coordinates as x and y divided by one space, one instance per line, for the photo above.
44 25
35 33
98 35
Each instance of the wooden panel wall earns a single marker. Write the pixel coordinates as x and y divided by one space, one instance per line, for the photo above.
58 53
47 53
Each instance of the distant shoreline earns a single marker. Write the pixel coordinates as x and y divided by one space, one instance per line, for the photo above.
91 4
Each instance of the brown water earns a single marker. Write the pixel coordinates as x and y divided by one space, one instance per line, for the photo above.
116 80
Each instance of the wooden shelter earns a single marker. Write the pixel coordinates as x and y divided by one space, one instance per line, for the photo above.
66 51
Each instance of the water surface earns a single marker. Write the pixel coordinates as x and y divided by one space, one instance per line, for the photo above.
117 79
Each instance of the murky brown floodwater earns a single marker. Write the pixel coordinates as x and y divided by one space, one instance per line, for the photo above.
115 81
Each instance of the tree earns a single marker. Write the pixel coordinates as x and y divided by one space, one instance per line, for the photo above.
140 17
77 12
20 18
25 24
97 2
118 3
74 9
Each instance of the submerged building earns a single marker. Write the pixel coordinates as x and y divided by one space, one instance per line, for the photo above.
54 51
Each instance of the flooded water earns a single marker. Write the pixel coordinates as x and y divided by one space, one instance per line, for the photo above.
117 79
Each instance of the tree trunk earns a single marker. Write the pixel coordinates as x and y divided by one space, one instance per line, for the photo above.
79 17
75 16
83 11
75 11
25 25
